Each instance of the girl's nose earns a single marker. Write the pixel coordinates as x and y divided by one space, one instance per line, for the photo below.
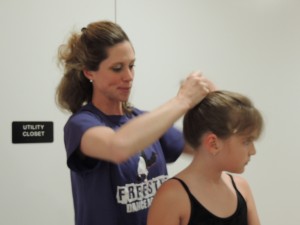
252 150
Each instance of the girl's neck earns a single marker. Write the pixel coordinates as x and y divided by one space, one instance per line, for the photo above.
204 169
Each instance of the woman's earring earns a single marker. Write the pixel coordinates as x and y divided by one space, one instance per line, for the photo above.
91 81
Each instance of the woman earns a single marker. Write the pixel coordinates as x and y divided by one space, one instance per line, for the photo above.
221 129
117 154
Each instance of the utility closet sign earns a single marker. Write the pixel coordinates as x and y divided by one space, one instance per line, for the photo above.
32 132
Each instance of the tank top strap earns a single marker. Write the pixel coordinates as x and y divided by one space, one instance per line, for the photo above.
183 184
232 181
188 190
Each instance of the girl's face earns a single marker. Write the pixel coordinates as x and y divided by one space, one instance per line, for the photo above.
112 82
237 151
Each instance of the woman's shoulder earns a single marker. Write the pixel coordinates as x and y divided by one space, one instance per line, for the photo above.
137 111
84 117
81 116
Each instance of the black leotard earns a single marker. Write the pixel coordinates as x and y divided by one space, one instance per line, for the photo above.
201 216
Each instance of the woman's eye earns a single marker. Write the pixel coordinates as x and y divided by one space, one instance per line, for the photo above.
117 68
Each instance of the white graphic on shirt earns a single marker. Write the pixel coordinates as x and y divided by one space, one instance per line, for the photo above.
144 164
139 196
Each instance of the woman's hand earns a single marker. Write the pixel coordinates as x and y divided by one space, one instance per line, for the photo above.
194 88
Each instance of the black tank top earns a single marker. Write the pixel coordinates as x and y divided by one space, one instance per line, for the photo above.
201 216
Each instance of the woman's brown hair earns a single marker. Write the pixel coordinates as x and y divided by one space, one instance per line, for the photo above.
85 50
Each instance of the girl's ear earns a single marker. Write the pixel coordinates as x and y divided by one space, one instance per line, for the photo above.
212 143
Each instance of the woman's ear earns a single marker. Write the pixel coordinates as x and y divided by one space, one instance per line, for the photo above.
88 74
212 143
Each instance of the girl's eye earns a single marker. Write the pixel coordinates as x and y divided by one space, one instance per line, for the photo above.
248 141
131 66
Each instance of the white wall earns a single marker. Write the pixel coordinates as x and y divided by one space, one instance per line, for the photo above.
35 184
248 46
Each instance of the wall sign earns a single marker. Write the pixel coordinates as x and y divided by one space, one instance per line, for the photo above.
32 132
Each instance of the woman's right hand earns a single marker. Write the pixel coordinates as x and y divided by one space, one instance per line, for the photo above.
194 88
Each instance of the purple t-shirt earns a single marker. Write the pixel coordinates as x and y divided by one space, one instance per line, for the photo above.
111 194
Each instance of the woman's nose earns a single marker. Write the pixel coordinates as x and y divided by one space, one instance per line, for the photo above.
128 75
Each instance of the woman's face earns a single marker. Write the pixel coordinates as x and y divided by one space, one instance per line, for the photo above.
112 81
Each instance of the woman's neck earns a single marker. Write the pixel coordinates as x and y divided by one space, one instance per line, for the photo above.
109 107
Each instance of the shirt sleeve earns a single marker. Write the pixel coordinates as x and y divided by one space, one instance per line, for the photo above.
172 143
73 132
